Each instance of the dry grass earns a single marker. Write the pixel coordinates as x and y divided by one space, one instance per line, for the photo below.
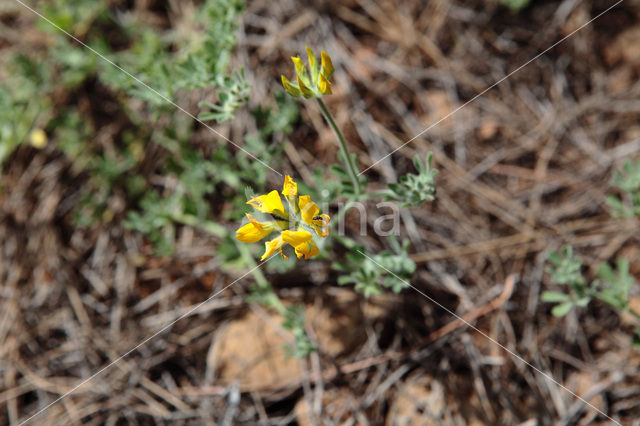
523 170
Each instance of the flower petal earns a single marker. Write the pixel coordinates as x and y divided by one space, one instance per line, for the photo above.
327 65
306 92
313 65
270 203
300 71
308 209
324 85
289 87
308 249
272 246
290 188
302 242
253 231
296 238
321 224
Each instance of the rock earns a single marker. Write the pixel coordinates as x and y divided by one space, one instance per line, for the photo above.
337 324
422 400
419 401
488 129
250 351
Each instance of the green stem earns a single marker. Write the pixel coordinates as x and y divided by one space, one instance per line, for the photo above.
348 161
272 298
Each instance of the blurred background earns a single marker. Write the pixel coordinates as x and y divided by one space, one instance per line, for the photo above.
118 210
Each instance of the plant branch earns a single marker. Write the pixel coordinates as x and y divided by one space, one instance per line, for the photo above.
351 167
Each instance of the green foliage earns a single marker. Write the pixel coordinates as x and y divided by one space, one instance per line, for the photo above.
294 319
372 273
198 179
413 190
72 16
515 5
612 287
149 60
209 47
627 181
156 221
24 104
565 270
193 64
168 62
187 203
74 64
234 94
105 169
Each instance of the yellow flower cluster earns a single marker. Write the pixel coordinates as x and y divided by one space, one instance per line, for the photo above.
301 213
315 82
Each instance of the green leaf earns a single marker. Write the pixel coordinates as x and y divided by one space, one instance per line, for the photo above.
562 309
369 273
554 297
583 302
346 279
606 273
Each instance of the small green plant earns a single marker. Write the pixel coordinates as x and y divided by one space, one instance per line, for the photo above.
612 287
565 270
412 189
628 182
370 273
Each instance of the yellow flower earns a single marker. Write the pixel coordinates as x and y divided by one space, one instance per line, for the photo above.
270 203
289 189
309 212
272 246
253 231
301 216
38 138
302 241
313 83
